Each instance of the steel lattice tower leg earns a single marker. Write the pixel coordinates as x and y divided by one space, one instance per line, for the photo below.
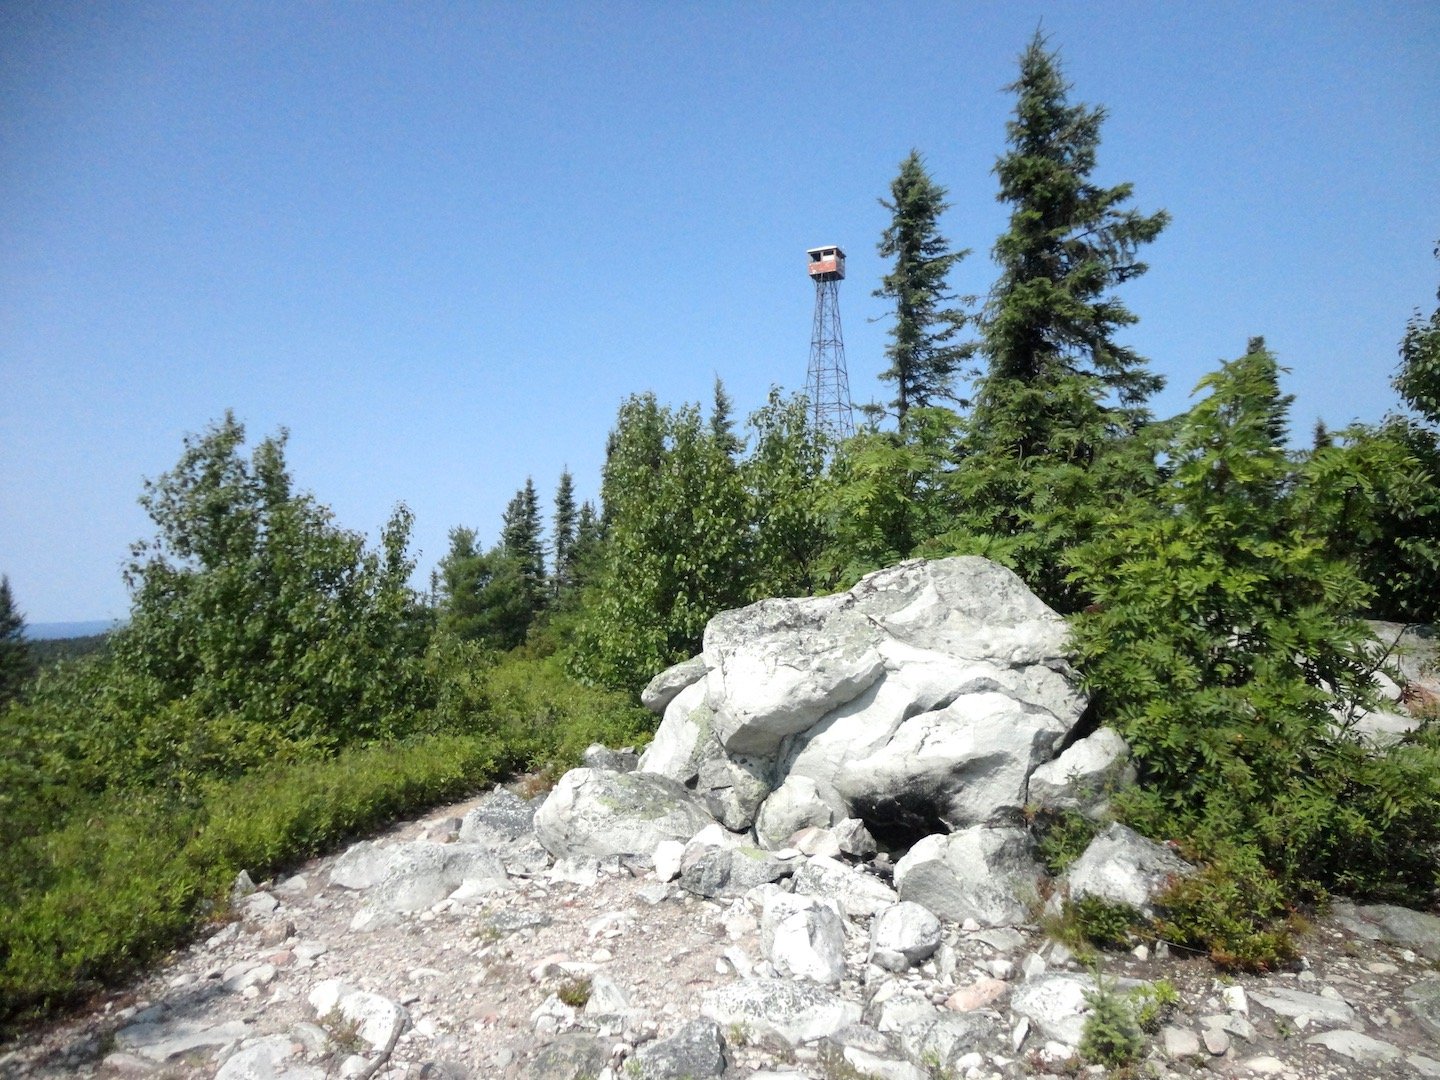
827 384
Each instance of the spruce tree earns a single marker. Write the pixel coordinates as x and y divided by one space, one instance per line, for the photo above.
564 533
1051 439
722 422
589 540
521 539
16 665
923 356
1070 242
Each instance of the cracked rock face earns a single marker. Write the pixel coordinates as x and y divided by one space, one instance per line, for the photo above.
919 701
595 813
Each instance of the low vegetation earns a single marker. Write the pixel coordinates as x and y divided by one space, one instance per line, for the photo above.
279 687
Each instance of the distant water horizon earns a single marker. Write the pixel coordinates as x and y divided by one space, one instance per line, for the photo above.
52 631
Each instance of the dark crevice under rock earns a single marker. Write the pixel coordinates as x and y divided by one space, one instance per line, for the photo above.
899 822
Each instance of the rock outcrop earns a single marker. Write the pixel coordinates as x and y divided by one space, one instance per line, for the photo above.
920 701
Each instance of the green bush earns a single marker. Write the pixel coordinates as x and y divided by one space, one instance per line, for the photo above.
1234 910
103 868
1223 633
127 879
1061 838
1111 1036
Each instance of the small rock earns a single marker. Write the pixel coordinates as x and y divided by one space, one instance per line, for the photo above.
1264 1065
1356 1046
903 935
667 859
977 995
119 1062
695 1052
1179 1042
867 1065
275 933
242 887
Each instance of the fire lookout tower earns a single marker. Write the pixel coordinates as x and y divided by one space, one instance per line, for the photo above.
827 384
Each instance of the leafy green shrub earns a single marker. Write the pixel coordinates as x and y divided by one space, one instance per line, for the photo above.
1233 910
574 992
251 604
543 717
1106 924
1061 838
1153 1004
1223 632
1089 922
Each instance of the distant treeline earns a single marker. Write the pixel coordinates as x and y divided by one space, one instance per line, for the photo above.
53 650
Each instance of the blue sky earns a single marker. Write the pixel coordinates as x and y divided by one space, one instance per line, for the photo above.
441 242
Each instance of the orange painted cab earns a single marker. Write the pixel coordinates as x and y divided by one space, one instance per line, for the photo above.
827 263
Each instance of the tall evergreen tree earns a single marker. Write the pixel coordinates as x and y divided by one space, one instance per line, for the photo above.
15 661
924 358
521 538
722 421
589 539
1052 314
564 533
1049 444
485 596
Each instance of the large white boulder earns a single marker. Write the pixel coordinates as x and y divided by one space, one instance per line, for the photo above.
1084 777
921 700
797 804
796 1012
777 667
663 688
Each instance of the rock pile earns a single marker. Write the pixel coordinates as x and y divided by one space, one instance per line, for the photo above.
604 968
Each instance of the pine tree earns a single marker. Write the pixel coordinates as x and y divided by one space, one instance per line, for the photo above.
485 596
564 533
923 359
589 540
16 664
